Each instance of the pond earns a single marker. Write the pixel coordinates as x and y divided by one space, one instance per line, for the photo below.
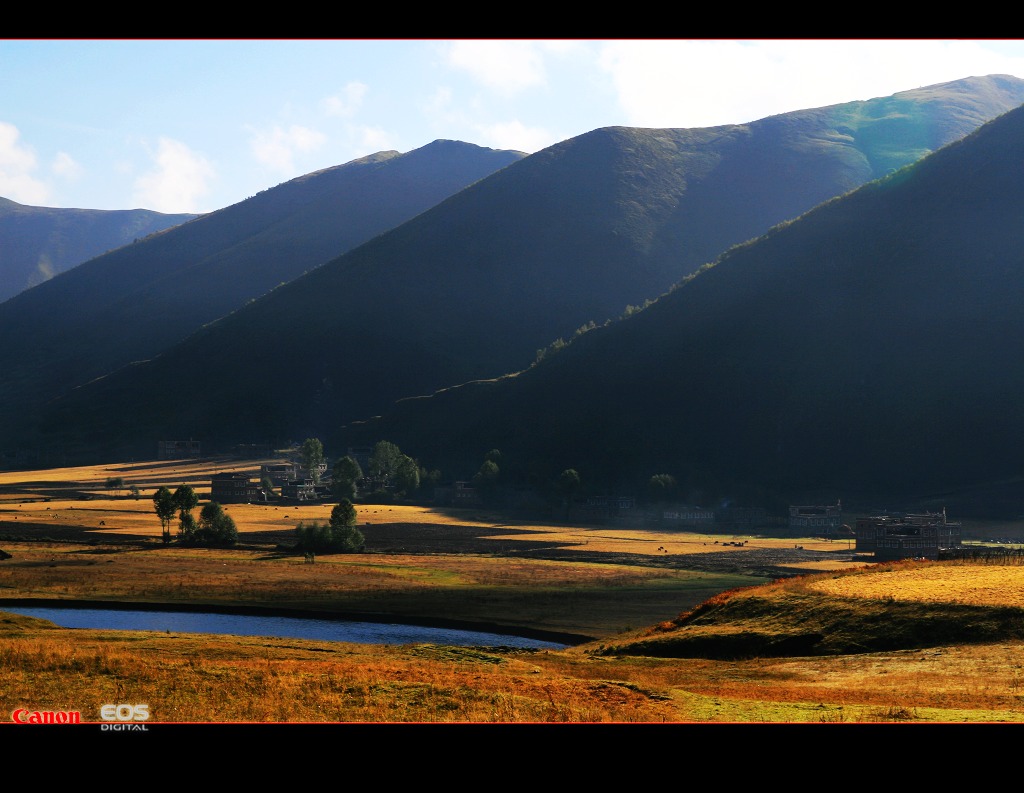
276 626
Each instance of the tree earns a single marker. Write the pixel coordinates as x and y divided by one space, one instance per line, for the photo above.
187 527
487 475
486 480
569 483
429 480
134 490
163 502
312 453
406 475
384 459
344 477
345 537
115 483
340 535
215 527
661 487
185 500
314 537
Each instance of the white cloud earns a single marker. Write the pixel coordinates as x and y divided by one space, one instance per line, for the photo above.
180 177
515 135
64 165
371 139
347 102
277 147
508 67
706 83
17 162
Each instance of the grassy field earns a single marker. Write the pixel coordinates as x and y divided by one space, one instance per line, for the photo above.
673 627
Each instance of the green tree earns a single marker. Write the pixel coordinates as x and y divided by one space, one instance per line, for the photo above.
115 483
406 475
429 480
340 535
185 500
187 527
312 454
486 480
344 478
163 502
384 460
345 537
314 536
134 490
661 487
487 475
569 483
215 527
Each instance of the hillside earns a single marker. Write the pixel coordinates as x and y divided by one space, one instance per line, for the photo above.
130 304
41 242
869 349
475 286
798 618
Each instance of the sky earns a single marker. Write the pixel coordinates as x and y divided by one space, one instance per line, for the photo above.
195 125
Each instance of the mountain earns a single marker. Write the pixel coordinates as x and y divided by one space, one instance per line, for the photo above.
133 302
41 242
473 287
870 349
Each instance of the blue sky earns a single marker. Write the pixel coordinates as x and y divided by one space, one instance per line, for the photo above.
197 125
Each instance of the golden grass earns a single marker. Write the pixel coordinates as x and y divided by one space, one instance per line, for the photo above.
187 678
191 678
564 597
34 497
968 584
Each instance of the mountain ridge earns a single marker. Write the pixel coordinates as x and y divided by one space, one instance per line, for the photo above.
866 347
475 285
41 242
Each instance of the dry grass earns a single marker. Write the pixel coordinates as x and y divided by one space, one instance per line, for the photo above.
54 497
188 678
969 584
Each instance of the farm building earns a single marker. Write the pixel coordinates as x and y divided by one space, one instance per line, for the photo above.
687 516
234 488
733 518
304 490
908 536
820 519
279 473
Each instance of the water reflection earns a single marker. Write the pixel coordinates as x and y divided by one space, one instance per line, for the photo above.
289 627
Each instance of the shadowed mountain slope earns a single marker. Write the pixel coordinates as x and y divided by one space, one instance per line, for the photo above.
133 302
871 347
37 243
473 287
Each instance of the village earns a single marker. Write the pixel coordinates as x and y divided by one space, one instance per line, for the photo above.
882 537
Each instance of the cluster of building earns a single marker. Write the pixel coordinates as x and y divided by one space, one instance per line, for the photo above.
923 535
886 536
294 484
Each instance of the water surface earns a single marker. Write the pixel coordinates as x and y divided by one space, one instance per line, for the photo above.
290 627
